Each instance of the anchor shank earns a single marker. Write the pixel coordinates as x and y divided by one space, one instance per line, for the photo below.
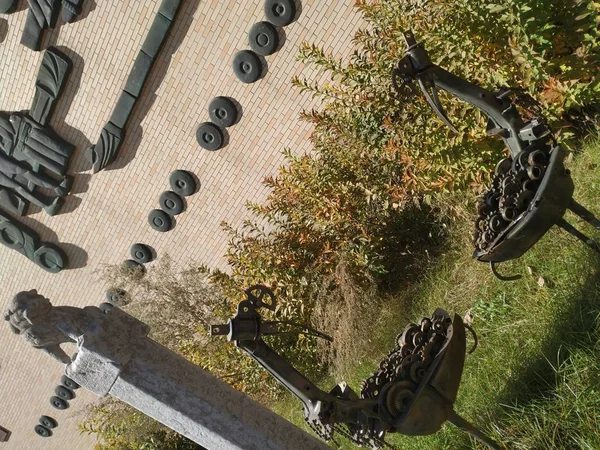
473 431
578 234
586 215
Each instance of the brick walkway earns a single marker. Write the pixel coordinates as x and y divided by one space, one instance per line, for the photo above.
109 210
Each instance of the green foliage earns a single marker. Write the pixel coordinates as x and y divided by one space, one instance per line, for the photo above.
532 383
121 427
368 202
179 304
365 196
567 417
549 48
346 204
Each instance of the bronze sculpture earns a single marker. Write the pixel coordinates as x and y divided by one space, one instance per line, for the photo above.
112 134
531 189
31 153
413 392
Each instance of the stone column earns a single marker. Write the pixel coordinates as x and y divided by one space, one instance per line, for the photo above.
115 357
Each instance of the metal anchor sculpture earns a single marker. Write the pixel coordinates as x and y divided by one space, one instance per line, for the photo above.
531 190
412 393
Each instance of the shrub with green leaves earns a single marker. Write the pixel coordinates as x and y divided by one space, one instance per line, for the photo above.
179 304
379 157
121 427
549 48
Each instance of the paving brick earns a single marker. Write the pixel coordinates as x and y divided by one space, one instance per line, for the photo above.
193 66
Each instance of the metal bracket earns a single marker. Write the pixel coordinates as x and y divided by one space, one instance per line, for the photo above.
494 269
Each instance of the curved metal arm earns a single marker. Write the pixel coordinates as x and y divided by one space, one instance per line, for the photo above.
503 114
472 430
434 101
397 404
504 119
319 405
246 330
310 395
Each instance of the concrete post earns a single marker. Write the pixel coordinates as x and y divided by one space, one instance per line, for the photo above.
118 359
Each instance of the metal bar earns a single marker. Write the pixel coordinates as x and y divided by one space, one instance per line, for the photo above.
473 431
320 405
585 214
436 105
501 111
285 373
579 235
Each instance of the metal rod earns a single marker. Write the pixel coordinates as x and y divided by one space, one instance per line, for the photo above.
586 215
578 234
502 112
308 393
494 269
473 431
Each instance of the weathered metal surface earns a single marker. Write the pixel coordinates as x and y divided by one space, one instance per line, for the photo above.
112 135
412 392
531 190
17 236
42 15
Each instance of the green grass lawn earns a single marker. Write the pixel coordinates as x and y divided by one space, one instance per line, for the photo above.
534 381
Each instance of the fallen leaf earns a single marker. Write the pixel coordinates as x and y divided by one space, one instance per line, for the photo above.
569 158
468 318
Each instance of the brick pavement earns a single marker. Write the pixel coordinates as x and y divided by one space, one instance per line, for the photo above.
109 210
